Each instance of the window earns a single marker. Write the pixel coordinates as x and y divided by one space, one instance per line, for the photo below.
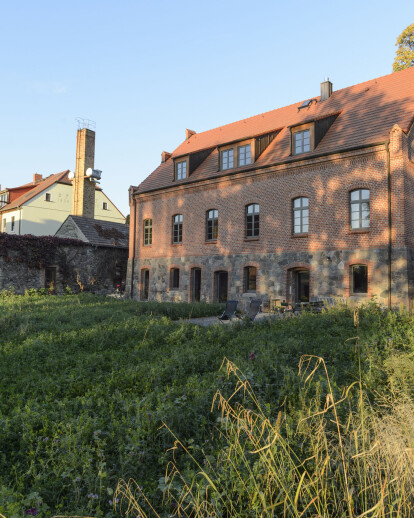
252 220
250 275
359 274
174 278
181 170
4 225
147 232
300 215
301 142
177 236
12 224
212 225
244 155
104 205
48 196
227 159
359 206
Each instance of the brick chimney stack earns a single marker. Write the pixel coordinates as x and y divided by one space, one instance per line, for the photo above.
37 177
83 189
326 89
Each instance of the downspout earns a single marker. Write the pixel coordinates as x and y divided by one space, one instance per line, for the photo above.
387 148
133 248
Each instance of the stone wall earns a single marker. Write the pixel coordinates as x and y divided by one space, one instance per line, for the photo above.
81 267
329 275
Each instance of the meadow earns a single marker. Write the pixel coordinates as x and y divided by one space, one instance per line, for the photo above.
100 398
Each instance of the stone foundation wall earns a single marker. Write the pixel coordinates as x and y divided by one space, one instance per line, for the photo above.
329 275
86 268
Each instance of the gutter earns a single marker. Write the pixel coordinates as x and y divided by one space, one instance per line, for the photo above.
387 147
262 167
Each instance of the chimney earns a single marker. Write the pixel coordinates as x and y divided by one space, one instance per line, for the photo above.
326 89
189 133
165 156
83 188
37 177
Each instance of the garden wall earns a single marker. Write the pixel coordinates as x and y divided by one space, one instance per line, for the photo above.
28 262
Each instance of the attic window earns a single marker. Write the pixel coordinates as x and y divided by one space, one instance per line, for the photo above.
306 104
48 196
181 170
105 205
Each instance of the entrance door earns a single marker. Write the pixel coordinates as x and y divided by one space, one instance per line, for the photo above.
195 284
302 286
144 284
221 280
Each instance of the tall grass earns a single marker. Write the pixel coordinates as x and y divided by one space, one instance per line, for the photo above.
341 459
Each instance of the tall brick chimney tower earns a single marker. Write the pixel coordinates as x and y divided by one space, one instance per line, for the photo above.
83 188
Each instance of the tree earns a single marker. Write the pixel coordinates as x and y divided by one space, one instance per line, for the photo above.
404 56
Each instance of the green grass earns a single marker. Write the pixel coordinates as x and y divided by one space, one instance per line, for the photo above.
87 383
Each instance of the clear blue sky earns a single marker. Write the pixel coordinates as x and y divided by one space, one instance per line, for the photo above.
146 70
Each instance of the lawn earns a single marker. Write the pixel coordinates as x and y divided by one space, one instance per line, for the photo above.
87 383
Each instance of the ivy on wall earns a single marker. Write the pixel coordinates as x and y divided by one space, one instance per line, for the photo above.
34 251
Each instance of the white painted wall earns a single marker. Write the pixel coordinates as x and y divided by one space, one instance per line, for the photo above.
41 217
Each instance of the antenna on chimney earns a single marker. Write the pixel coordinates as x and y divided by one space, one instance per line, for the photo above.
86 124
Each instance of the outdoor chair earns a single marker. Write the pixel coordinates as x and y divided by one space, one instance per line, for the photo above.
254 308
229 311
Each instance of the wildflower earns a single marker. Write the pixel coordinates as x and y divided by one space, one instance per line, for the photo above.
252 356
45 439
93 496
114 501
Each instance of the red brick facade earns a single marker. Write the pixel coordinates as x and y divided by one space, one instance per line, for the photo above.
326 181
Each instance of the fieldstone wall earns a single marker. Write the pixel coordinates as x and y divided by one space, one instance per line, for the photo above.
81 267
329 275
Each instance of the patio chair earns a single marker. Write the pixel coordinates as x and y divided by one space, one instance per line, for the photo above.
254 308
229 311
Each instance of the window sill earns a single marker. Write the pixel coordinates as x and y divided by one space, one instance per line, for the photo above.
211 241
304 234
176 244
147 246
251 238
359 231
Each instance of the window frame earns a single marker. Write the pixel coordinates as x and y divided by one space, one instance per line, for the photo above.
147 232
174 278
247 278
300 129
105 205
222 153
255 223
352 268
300 210
239 148
12 223
181 174
48 197
212 233
177 229
359 202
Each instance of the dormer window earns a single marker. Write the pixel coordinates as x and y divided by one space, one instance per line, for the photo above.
181 170
227 159
244 155
303 139
301 142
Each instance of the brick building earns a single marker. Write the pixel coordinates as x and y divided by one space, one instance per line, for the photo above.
313 199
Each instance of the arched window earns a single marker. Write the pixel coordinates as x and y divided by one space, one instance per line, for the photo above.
212 225
300 215
359 278
359 208
147 232
252 220
177 229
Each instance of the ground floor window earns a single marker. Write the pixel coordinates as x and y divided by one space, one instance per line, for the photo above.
250 276
359 278
50 278
174 278
144 284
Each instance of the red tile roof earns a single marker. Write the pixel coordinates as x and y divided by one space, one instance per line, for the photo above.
367 113
38 187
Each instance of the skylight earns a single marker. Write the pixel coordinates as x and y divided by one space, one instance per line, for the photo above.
306 103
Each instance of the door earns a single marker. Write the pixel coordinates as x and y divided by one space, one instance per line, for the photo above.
195 284
302 286
221 279
144 284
